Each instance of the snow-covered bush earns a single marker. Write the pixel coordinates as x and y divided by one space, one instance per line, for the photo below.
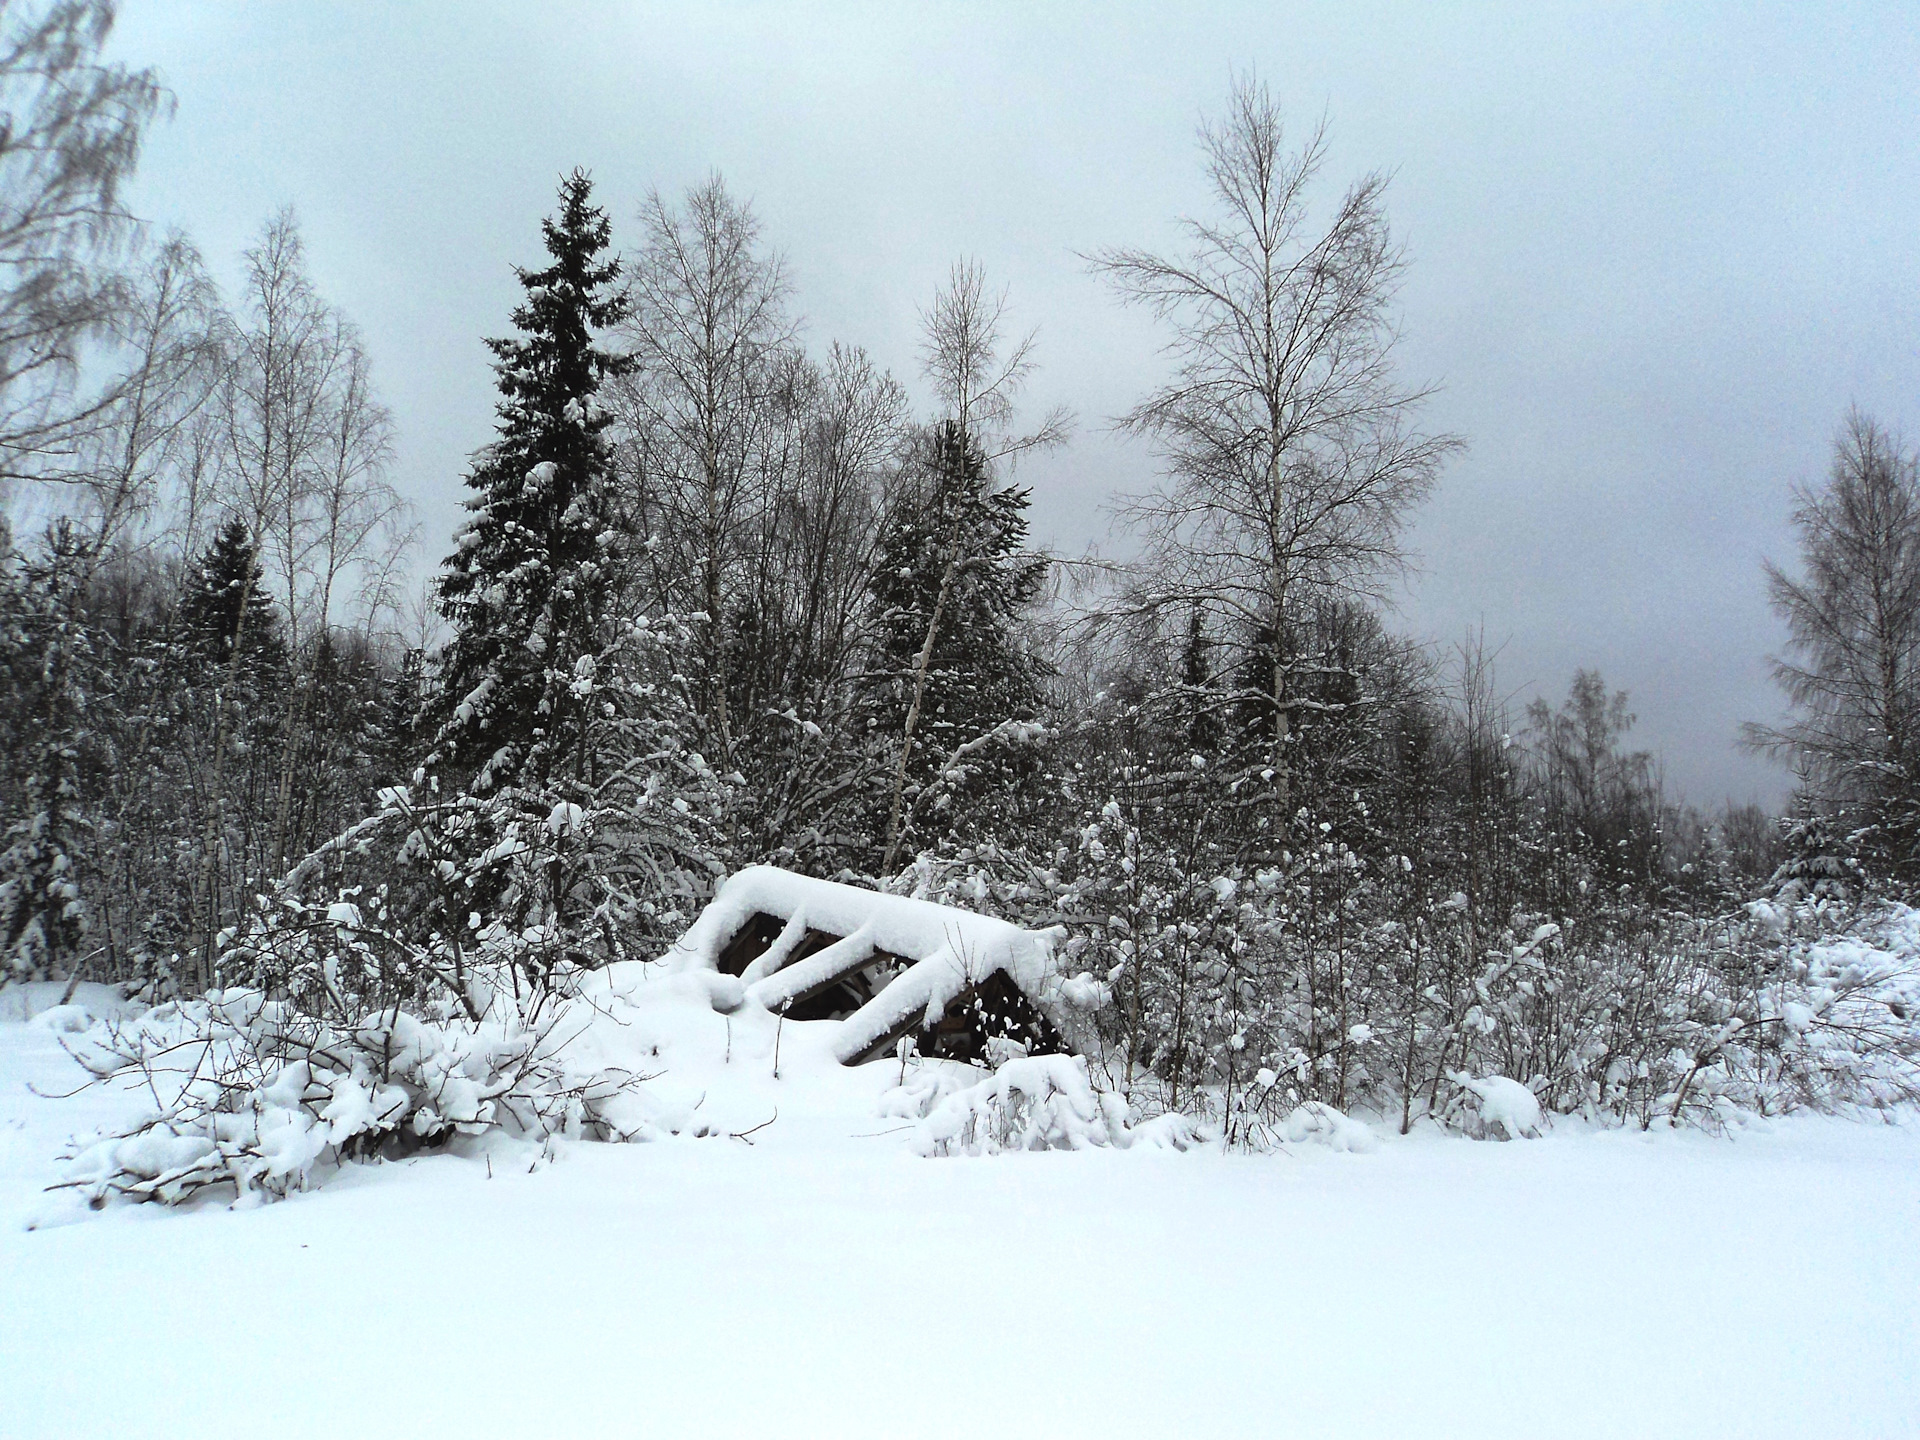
263 1097
1038 1102
1696 1018
1318 1123
1332 976
1506 1109
344 1030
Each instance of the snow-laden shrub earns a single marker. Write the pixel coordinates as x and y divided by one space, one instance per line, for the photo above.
338 1036
1827 1024
1037 1102
1701 1020
1269 1115
1318 1123
1505 1108
263 1098
1040 1102
1332 973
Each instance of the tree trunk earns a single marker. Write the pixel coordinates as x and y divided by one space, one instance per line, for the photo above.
1282 729
217 800
296 731
920 668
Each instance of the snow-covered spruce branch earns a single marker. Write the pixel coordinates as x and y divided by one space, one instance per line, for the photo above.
954 769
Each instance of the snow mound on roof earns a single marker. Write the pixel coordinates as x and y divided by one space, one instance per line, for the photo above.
913 929
950 951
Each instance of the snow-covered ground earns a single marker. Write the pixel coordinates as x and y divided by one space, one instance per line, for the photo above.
822 1281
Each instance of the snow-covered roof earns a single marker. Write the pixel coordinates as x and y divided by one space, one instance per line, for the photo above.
948 950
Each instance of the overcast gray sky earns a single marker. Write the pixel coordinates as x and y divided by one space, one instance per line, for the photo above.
1656 251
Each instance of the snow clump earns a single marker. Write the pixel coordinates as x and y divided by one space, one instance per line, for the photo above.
1316 1122
1503 1102
1031 1102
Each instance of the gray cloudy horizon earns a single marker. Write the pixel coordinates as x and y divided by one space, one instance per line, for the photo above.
1655 255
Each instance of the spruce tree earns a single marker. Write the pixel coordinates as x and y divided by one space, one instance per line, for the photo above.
978 674
236 658
1202 726
527 589
950 584
50 665
574 825
226 583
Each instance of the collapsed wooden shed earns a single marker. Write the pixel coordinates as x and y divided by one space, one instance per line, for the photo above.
886 968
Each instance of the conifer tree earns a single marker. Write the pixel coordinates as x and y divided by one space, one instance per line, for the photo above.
527 590
575 825
1196 679
347 737
951 581
51 665
226 583
232 632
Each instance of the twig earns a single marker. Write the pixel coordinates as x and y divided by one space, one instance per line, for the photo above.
747 1134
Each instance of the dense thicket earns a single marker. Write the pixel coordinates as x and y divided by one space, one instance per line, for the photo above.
722 600
195 486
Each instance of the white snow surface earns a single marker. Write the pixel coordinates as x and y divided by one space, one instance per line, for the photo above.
819 1279
46 1002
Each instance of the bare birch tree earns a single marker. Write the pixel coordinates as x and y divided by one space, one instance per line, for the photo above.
977 371
1852 672
71 137
977 375
170 329
349 522
308 445
1291 456
710 329
270 410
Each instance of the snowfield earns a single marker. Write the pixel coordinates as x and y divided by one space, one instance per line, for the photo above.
824 1281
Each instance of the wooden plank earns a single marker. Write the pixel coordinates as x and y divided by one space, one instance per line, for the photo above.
750 942
801 980
997 988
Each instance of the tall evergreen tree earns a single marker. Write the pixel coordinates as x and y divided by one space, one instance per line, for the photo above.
227 583
952 579
528 587
960 547
570 831
235 656
50 664
1196 679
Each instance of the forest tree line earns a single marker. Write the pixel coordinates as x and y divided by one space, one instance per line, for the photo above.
721 599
